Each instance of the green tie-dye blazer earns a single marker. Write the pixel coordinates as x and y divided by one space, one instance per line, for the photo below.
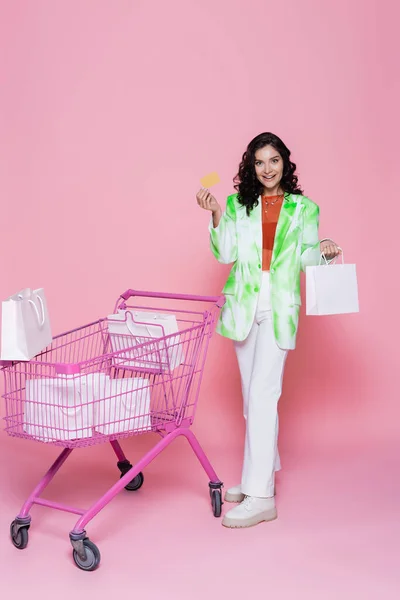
238 240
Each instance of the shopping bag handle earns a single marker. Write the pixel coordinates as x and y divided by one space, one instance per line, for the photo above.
333 260
70 411
42 319
146 325
218 300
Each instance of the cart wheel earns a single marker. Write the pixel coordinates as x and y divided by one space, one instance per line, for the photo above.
216 502
19 538
136 483
92 560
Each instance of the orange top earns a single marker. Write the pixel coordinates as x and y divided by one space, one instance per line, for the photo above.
271 208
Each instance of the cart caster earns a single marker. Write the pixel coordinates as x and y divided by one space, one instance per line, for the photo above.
216 498
92 557
136 482
19 535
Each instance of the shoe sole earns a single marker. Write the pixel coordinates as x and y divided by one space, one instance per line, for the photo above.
268 515
232 497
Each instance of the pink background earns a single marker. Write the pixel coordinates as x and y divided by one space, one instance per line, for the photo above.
110 113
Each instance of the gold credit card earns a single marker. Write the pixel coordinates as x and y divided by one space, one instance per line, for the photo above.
210 180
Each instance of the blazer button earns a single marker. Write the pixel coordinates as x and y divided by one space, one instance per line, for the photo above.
259 266
256 289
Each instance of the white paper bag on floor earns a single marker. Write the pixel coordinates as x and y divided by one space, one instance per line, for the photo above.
62 407
25 327
126 406
128 329
331 289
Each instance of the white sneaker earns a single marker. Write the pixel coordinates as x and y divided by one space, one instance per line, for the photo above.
234 494
251 512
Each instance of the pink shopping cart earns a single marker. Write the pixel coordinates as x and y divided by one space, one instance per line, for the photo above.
136 371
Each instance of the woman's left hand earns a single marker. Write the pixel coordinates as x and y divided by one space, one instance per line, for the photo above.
330 249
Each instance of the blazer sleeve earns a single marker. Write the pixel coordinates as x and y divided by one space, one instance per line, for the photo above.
310 248
223 239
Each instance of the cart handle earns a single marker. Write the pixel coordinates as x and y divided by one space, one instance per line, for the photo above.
218 300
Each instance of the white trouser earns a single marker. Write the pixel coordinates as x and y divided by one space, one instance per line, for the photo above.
261 364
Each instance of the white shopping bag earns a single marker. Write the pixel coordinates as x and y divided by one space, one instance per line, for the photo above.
126 406
128 329
62 408
25 327
331 289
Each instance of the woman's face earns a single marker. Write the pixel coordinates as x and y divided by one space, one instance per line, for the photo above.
269 169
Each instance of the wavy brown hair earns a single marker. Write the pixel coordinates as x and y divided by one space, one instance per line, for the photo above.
246 182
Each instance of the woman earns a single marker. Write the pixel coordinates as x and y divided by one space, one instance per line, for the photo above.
269 230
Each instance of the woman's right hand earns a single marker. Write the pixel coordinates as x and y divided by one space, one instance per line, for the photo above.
207 201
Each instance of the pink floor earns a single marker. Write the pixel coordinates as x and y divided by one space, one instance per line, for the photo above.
337 535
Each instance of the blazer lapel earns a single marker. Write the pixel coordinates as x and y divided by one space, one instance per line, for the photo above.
286 215
256 226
